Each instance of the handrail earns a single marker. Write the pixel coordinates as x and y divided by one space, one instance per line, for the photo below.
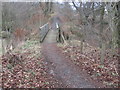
43 31
43 26
60 37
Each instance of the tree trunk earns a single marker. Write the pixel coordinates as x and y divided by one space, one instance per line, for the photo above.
101 43
93 18
114 23
81 46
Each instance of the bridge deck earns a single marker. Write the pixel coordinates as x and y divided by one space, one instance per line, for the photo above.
51 36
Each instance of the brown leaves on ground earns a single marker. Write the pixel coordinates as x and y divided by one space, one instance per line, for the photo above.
89 61
30 72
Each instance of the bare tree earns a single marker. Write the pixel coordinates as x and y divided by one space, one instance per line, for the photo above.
113 9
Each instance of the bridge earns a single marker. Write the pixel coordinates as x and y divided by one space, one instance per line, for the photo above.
59 66
51 35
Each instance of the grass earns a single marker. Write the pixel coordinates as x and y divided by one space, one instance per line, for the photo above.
29 44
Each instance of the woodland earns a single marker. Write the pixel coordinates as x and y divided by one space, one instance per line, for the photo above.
60 44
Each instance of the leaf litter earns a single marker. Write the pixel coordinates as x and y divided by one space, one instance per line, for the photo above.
89 61
27 68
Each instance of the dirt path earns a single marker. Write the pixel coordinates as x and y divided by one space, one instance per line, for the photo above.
62 68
